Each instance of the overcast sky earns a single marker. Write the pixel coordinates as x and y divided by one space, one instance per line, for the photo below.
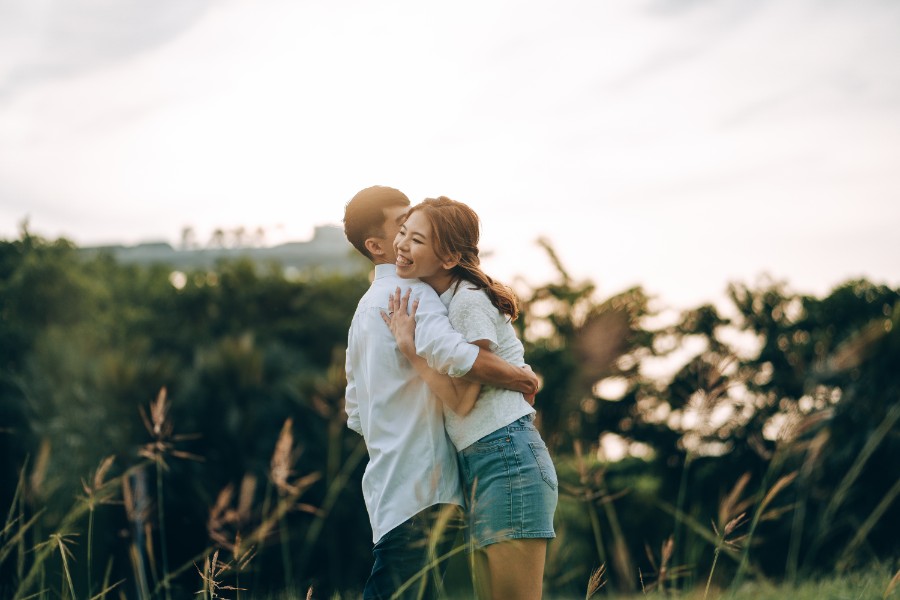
679 144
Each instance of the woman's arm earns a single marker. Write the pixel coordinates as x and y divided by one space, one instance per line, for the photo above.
457 393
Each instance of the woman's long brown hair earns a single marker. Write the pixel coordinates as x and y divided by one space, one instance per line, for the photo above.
456 230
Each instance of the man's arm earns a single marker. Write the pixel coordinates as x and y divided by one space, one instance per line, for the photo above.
351 405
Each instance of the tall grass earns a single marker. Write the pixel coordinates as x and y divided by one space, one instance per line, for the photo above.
47 565
160 427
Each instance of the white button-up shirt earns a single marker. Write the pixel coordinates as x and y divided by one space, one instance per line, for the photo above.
412 464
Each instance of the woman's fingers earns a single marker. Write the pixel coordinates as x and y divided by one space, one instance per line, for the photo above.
415 305
394 300
404 301
398 303
393 303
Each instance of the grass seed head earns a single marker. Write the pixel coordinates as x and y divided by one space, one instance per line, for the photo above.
282 463
224 519
596 581
98 491
39 472
211 575
892 585
160 427
732 504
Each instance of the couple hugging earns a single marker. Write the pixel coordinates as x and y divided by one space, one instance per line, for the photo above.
431 355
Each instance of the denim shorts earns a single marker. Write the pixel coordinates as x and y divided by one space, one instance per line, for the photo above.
510 485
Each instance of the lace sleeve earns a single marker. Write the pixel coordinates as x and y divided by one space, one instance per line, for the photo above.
473 315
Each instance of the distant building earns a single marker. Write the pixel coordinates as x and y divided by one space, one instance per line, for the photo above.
327 252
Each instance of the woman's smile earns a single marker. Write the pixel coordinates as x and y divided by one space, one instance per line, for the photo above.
416 258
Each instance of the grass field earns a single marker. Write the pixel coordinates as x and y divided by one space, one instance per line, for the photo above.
877 582
59 562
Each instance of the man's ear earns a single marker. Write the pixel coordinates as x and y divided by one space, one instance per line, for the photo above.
375 246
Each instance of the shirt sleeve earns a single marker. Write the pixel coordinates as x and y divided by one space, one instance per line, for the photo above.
473 315
351 405
444 348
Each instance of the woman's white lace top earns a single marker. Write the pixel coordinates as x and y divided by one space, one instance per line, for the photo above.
473 315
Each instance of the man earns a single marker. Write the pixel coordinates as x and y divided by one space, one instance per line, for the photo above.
412 473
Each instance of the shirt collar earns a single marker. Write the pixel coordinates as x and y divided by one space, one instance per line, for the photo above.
448 294
385 270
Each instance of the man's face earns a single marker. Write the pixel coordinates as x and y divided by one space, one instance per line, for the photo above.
393 218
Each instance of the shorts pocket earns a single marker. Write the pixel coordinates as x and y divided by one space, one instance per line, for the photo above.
492 442
545 464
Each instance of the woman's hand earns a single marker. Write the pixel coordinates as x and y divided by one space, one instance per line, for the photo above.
401 319
458 394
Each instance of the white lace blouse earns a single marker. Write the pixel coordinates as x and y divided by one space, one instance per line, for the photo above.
473 315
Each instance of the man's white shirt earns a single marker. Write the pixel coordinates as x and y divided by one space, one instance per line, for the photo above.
412 464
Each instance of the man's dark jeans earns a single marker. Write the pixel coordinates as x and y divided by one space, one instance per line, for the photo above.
408 555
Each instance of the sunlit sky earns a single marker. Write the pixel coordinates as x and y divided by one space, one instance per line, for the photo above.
677 144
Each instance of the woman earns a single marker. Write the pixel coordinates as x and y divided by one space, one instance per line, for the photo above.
509 479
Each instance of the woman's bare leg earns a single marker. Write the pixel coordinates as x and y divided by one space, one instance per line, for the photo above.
517 568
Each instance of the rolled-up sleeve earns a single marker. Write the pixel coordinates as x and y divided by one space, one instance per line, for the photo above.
444 348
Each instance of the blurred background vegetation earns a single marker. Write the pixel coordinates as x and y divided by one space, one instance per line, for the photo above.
711 447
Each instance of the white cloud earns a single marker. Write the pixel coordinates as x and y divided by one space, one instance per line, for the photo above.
678 145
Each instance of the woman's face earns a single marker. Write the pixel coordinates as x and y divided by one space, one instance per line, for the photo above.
414 246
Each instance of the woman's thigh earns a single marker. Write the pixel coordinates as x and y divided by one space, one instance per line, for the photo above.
516 569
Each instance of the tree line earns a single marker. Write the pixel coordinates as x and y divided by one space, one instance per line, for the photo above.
771 440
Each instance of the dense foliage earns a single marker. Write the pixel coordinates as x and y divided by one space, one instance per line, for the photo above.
801 394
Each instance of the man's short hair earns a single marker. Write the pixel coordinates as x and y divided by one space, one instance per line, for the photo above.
364 214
